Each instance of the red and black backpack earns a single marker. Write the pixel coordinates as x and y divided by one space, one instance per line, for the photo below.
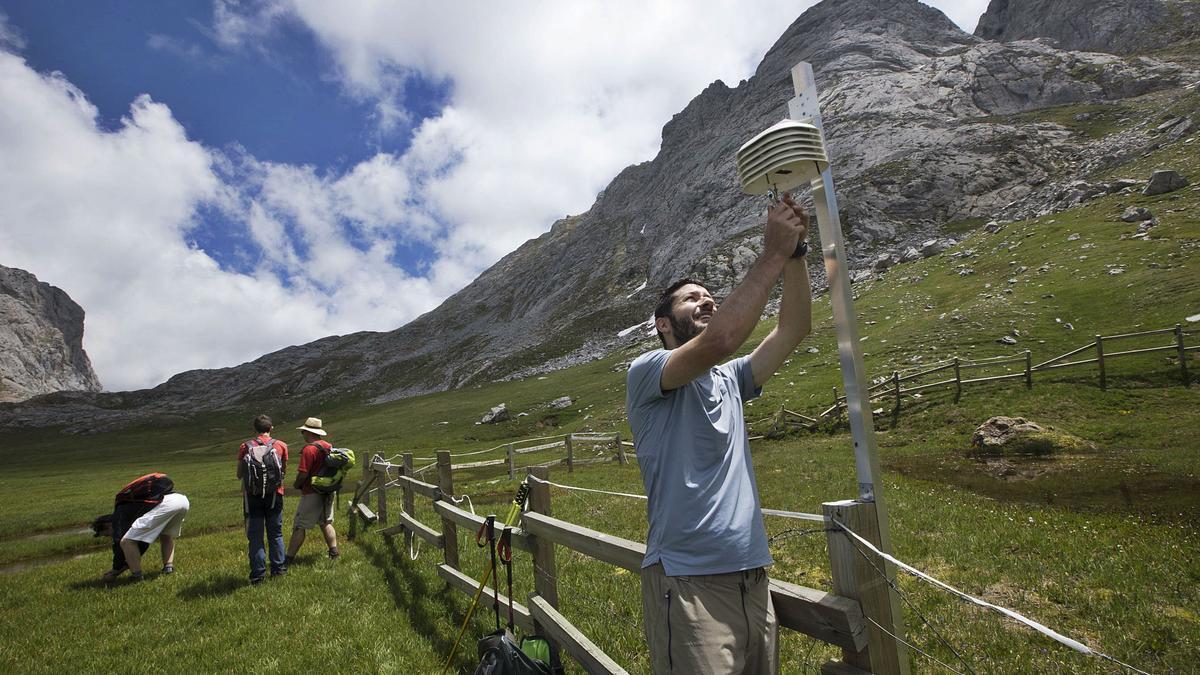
148 489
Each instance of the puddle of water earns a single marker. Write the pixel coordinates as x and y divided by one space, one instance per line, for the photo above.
70 531
1096 482
40 562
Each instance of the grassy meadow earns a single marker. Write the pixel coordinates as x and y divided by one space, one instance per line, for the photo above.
1100 544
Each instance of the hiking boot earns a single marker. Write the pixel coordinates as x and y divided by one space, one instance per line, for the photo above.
282 572
333 553
135 577
168 569
256 581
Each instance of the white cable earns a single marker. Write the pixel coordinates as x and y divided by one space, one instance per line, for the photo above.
411 555
1048 632
573 487
793 514
460 500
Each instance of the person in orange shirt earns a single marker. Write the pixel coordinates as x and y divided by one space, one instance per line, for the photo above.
315 508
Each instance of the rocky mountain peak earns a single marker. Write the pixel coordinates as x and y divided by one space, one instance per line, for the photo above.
879 31
41 339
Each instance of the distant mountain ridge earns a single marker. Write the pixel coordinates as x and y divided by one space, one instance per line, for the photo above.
924 125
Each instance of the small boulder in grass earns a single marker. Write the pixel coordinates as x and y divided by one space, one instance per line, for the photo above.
1007 436
497 414
1136 214
1163 181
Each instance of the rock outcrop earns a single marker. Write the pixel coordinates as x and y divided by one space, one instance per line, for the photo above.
1117 26
1007 436
41 339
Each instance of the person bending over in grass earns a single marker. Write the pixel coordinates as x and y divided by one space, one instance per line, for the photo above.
144 510
705 600
315 508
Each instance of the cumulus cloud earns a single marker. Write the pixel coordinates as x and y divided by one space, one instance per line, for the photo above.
105 215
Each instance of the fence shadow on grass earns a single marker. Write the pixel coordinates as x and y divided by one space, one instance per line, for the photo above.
413 594
213 587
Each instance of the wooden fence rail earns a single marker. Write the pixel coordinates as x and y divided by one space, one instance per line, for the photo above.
835 619
568 442
891 387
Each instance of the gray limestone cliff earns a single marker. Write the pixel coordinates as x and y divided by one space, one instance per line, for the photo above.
41 339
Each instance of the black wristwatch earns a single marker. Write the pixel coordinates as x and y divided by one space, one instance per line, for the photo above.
801 250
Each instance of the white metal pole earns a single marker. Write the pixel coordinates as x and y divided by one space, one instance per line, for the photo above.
854 379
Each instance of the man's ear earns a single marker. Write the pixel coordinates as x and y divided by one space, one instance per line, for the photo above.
663 325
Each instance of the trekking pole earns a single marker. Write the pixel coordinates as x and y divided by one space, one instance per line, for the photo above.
504 548
514 510
490 524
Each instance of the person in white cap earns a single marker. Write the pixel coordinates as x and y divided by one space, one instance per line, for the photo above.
315 508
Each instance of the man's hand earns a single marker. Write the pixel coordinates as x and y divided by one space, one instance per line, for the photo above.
787 226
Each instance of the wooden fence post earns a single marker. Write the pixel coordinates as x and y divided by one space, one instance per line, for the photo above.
1182 355
570 454
1100 361
621 448
511 454
408 495
855 576
545 572
354 500
896 387
382 510
957 381
449 529
1028 369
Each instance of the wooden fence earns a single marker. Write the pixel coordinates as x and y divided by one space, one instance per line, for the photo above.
895 387
512 451
849 618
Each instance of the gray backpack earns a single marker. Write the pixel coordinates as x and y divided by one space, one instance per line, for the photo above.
264 469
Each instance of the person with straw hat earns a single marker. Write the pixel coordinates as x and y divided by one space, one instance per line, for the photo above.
315 509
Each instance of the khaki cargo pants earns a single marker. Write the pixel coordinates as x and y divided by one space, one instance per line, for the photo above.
715 623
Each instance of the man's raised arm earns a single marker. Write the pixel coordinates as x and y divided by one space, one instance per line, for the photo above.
738 315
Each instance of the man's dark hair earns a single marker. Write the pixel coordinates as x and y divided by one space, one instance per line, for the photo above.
262 424
100 524
667 301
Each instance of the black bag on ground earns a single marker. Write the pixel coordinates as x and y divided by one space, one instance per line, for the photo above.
499 655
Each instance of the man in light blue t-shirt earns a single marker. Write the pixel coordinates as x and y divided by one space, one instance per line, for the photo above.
705 600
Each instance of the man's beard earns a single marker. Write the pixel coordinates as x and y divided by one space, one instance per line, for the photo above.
684 330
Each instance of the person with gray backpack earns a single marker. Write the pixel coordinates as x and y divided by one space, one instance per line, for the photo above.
262 463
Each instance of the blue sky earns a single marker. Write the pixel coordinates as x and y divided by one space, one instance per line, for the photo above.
314 168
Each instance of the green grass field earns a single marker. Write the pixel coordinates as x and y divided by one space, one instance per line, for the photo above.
1100 544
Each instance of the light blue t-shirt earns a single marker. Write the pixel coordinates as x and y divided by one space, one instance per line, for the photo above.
694 455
